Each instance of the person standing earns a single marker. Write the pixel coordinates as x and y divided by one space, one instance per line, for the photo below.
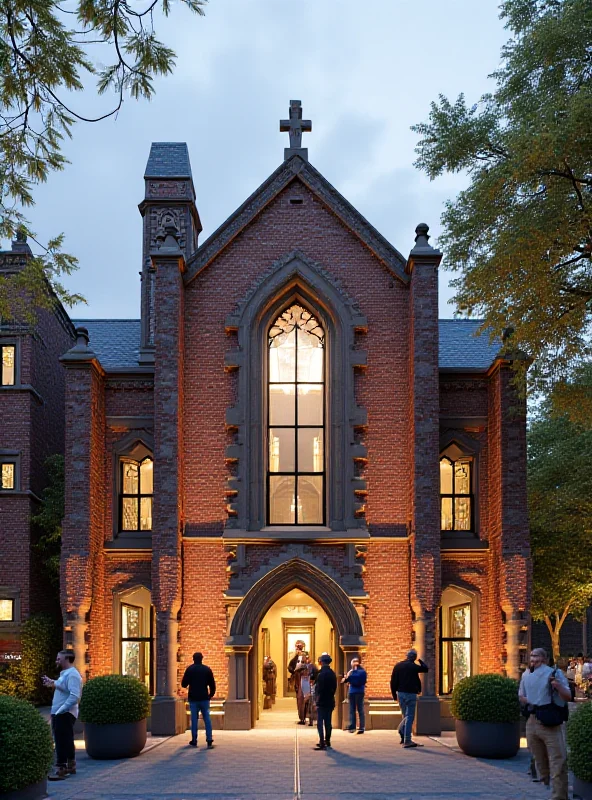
405 686
199 679
64 712
325 688
356 678
546 742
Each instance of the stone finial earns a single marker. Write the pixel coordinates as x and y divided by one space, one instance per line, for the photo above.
422 235
20 244
82 338
423 249
507 333
21 236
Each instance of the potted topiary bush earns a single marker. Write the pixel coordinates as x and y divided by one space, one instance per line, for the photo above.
579 744
26 750
487 716
114 710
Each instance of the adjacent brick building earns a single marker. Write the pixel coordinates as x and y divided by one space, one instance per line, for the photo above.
289 443
32 390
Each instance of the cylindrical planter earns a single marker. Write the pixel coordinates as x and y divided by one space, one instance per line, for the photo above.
488 739
120 740
582 789
34 791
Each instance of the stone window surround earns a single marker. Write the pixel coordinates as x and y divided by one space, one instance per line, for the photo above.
474 598
9 593
136 445
453 446
295 278
139 595
16 343
12 457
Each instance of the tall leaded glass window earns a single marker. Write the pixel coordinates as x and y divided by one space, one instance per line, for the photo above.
136 495
7 365
136 644
296 419
456 494
455 645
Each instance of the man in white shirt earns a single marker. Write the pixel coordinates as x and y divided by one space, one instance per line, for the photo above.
541 686
64 712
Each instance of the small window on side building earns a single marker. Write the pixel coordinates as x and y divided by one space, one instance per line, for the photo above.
456 494
6 609
7 475
136 495
8 371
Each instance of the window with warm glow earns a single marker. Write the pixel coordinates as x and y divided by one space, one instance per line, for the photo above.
136 644
455 644
136 495
7 475
296 419
6 610
456 494
7 372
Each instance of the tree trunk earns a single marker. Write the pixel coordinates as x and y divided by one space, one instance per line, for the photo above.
554 624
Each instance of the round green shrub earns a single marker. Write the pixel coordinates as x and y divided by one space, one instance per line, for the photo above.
486 698
579 742
110 699
26 748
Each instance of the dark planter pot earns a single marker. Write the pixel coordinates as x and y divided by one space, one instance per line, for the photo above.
34 791
582 789
121 740
488 739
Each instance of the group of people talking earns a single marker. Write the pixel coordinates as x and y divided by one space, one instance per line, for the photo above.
316 686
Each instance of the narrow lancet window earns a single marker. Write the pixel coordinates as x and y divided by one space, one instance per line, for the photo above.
296 419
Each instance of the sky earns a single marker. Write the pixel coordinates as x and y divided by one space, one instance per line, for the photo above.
365 72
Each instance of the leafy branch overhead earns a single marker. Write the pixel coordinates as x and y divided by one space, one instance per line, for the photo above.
45 56
520 235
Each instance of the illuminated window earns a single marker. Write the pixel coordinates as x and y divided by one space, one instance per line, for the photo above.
296 419
7 375
136 643
456 494
455 645
7 473
6 610
136 495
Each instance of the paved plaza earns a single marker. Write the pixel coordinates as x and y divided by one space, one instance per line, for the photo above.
280 764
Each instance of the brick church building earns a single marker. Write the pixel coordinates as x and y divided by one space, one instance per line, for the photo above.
289 445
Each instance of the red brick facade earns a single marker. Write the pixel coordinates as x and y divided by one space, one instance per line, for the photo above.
380 578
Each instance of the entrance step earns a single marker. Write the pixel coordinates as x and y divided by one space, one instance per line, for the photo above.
216 715
384 715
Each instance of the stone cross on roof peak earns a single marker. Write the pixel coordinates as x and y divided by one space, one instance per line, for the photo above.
295 126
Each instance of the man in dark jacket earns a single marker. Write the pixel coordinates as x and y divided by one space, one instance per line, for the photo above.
405 686
325 688
202 687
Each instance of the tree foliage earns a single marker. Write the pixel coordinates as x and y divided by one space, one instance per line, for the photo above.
46 56
560 505
520 235
49 519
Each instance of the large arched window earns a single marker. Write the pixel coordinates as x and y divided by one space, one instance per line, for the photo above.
296 419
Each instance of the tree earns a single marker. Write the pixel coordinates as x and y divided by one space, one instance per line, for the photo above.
560 505
45 56
520 235
49 519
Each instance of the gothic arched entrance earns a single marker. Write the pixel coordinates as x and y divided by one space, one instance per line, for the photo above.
242 645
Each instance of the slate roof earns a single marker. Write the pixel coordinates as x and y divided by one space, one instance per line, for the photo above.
168 160
460 348
117 342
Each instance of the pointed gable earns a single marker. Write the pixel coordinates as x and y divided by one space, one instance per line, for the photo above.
296 168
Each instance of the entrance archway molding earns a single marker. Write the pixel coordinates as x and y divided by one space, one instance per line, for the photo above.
293 574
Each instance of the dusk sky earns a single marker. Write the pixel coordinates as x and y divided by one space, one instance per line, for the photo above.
365 72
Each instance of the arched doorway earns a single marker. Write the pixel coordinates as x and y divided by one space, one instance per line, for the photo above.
243 645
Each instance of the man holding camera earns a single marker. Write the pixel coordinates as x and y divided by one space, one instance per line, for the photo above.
545 692
64 711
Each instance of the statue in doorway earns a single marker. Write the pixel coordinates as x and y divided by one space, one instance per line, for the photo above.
269 682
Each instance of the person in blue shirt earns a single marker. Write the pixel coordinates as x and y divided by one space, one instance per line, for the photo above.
356 678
